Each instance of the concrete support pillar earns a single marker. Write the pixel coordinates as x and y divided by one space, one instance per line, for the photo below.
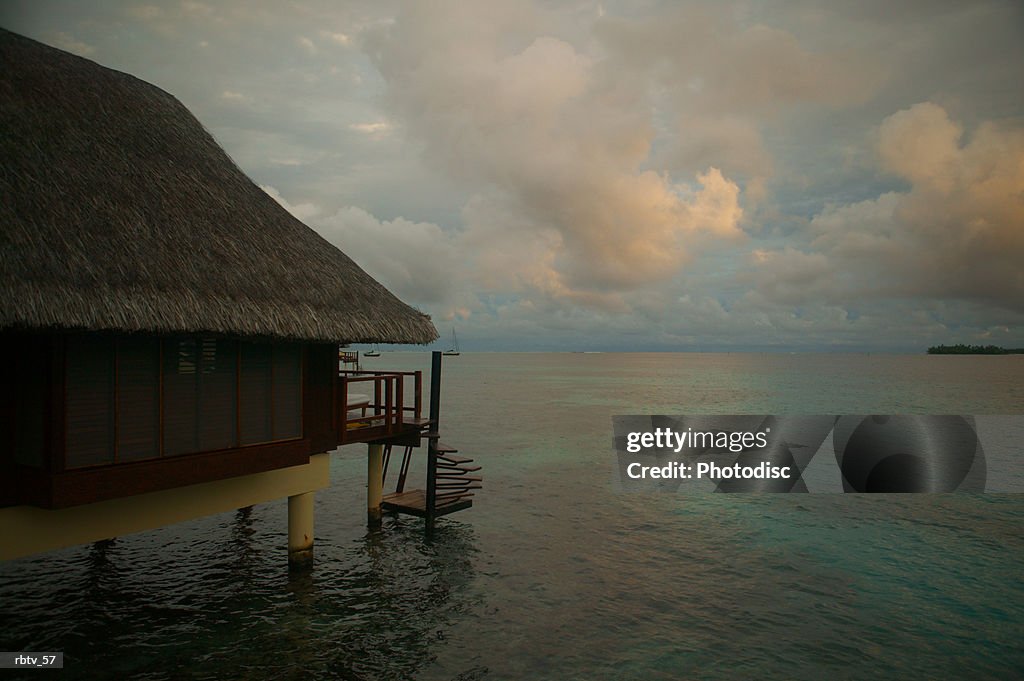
27 530
374 484
300 530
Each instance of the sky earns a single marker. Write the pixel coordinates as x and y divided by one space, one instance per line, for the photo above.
623 176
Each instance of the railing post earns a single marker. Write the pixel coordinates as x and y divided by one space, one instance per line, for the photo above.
400 399
419 395
343 421
376 395
388 404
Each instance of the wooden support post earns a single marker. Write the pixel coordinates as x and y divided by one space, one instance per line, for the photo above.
374 484
435 417
300 530
435 387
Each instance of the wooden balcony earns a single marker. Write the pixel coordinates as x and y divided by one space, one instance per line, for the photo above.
386 408
379 406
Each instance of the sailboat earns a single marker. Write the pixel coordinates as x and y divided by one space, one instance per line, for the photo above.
374 352
454 350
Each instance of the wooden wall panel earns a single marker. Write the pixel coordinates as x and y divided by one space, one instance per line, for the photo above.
321 373
94 397
96 484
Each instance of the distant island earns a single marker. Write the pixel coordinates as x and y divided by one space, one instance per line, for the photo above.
962 349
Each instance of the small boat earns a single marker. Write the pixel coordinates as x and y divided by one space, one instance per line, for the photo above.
454 350
374 352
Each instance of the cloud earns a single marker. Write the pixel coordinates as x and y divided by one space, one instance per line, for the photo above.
196 9
958 232
337 37
710 61
728 141
302 211
636 174
375 129
66 41
724 81
145 12
554 145
417 261
922 145
791 276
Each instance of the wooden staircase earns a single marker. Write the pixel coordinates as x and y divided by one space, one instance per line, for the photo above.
449 486
451 482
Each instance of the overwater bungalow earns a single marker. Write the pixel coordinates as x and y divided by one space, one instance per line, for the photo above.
170 333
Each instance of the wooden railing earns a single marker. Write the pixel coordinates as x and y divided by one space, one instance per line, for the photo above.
384 412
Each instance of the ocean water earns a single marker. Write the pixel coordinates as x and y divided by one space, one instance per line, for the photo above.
552 575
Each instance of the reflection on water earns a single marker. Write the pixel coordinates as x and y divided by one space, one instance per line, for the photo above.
551 574
378 609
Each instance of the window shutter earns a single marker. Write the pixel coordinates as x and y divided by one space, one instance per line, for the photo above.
26 406
180 371
138 398
217 403
90 401
287 405
255 392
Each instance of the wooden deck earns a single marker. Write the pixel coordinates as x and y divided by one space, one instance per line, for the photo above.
414 502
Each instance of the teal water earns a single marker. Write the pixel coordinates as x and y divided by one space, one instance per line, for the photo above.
551 575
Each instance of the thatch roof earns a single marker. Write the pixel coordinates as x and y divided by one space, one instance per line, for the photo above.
120 212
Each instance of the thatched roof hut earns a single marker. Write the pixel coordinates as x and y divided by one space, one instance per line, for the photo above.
121 213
